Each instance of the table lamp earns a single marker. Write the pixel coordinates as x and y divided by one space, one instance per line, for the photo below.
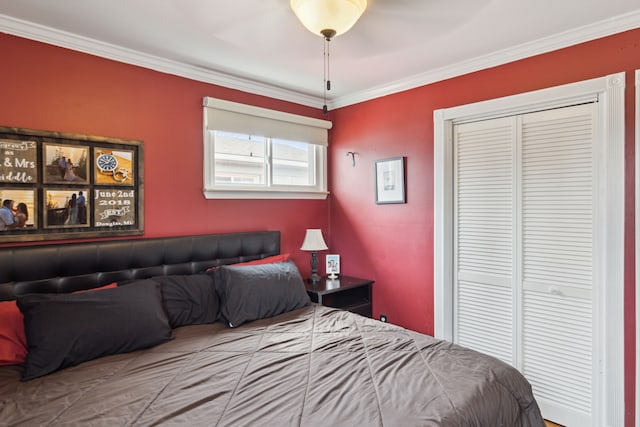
314 242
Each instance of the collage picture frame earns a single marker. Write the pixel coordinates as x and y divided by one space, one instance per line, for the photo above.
70 186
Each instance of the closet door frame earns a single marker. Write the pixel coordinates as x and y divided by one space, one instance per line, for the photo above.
609 333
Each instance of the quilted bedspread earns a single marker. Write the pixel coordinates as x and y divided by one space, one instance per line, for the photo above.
310 367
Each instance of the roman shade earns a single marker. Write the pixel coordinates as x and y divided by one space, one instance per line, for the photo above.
246 119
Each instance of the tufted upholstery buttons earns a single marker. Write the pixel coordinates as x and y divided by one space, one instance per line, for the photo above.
74 266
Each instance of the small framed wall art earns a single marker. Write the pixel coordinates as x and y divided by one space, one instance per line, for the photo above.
390 181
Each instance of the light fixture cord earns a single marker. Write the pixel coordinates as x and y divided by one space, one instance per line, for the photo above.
327 77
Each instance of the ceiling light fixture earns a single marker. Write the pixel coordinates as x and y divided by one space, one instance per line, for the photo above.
328 18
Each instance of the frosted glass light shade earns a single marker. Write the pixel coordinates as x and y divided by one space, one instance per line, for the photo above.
313 241
337 15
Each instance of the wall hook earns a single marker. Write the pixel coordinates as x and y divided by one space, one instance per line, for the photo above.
353 157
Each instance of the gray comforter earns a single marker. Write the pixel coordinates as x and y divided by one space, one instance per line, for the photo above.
314 366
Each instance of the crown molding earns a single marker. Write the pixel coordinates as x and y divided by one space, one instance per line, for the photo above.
71 41
32 31
583 34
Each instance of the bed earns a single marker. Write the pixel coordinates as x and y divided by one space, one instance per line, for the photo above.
254 352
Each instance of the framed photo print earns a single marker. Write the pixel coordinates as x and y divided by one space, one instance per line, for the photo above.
333 265
390 180
66 208
66 164
23 208
114 167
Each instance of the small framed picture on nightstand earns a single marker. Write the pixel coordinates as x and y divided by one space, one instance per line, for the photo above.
333 266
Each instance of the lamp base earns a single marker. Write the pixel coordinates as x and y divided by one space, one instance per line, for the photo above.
314 278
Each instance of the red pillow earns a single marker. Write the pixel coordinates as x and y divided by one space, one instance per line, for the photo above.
13 342
109 286
267 260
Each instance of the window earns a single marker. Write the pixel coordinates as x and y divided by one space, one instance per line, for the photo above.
255 153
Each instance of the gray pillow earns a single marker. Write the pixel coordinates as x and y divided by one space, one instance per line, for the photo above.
254 292
189 299
66 329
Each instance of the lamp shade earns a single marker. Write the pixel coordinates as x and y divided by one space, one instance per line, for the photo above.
337 15
313 240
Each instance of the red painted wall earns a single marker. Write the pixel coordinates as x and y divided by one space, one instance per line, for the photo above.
51 88
393 244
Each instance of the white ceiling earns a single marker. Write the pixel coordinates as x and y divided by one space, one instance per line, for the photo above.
260 46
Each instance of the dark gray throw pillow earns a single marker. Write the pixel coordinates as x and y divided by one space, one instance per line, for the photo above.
254 292
66 329
189 299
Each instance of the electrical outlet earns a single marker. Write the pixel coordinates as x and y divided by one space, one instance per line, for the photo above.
383 318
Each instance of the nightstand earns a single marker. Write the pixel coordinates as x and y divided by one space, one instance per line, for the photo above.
348 293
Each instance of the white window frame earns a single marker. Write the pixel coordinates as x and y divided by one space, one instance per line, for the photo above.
230 116
609 90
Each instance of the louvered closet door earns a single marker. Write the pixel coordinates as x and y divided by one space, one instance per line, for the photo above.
557 261
484 237
524 238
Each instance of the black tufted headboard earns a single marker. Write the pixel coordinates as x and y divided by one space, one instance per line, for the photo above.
74 266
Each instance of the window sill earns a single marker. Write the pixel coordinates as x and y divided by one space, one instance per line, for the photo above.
271 194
